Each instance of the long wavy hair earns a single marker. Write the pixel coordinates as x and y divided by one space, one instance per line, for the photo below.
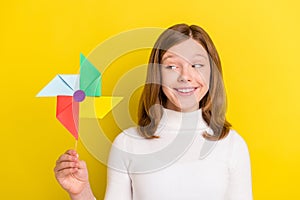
213 104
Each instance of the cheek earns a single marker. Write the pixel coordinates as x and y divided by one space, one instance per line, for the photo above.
168 92
207 78
168 78
204 77
172 99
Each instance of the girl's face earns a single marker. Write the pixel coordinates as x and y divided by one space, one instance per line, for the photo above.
185 75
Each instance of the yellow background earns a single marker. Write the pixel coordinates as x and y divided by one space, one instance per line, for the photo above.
258 42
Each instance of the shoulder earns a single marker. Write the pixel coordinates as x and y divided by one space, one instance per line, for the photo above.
130 133
232 146
235 138
238 147
236 143
126 137
227 147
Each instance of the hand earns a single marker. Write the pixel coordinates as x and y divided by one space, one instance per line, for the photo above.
71 173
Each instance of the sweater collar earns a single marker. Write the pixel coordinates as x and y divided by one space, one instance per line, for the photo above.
175 120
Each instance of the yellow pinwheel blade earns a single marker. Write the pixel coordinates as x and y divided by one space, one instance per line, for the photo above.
98 107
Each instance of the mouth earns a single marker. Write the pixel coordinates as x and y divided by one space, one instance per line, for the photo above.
186 91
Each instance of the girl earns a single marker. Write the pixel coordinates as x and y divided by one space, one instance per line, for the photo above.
183 147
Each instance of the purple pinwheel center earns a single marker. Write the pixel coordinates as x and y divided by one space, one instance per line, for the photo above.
79 96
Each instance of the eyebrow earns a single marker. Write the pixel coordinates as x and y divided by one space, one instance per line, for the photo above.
172 55
167 57
199 54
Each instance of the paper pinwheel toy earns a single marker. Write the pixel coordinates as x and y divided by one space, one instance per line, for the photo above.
79 96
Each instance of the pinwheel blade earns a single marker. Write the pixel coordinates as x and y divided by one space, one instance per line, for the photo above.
67 113
60 85
90 78
98 107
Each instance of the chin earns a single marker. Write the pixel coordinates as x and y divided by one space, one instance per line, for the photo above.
188 108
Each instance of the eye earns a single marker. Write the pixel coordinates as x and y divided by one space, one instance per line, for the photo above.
198 65
171 66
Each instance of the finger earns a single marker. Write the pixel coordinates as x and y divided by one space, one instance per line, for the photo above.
81 174
66 165
65 172
66 158
71 152
81 164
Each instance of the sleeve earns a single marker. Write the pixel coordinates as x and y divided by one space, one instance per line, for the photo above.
118 179
240 183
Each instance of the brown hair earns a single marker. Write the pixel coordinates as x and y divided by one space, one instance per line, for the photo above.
213 104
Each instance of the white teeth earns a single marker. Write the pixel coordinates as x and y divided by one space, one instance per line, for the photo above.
186 90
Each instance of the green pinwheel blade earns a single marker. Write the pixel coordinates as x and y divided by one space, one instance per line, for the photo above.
90 78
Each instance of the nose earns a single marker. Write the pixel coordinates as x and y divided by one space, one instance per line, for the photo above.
185 74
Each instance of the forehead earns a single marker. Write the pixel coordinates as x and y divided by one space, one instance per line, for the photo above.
188 49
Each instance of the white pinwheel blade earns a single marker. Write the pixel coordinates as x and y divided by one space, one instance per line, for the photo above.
61 85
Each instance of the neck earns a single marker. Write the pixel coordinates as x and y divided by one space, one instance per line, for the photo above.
173 119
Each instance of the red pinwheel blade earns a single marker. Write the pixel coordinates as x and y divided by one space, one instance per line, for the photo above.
67 113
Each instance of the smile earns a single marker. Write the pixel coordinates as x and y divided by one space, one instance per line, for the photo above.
186 91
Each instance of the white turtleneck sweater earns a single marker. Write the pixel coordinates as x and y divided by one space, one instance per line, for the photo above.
180 164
